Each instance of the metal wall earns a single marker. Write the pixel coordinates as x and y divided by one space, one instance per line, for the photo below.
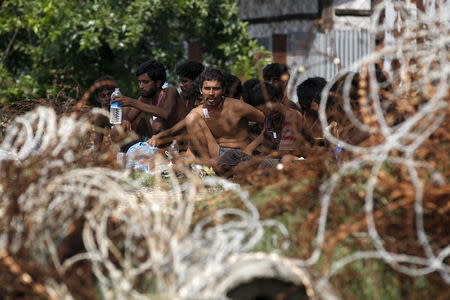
324 54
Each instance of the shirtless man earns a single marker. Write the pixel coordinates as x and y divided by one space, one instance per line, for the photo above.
282 125
104 86
278 75
220 123
157 108
280 140
308 93
187 73
232 86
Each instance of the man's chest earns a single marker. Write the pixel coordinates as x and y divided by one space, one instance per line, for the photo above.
221 125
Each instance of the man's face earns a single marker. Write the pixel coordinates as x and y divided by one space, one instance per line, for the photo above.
281 82
147 86
212 92
104 96
185 83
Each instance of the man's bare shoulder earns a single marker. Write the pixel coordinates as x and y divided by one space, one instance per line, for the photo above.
171 91
293 114
196 110
237 105
193 114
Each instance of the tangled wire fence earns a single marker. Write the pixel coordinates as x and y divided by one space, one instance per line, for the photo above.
72 224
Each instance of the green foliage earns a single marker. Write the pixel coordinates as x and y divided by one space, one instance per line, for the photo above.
47 44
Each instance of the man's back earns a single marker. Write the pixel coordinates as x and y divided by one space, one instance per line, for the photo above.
289 137
173 104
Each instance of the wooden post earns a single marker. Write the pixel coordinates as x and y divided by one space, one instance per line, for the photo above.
279 48
195 52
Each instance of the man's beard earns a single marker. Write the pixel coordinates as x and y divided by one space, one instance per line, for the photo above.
149 94
184 93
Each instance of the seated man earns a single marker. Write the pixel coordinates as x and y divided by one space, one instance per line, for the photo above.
157 109
104 86
190 94
281 136
247 96
308 93
187 72
247 90
232 86
278 75
220 123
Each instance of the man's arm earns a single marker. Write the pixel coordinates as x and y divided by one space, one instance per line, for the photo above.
156 140
164 109
141 106
120 131
249 112
100 122
254 144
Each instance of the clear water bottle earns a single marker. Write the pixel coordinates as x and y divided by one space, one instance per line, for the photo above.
115 110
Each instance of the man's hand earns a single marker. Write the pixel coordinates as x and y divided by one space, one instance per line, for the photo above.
126 101
120 131
289 158
126 125
154 141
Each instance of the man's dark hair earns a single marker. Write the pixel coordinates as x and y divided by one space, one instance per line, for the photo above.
274 71
265 92
106 82
212 74
155 70
192 93
309 91
232 86
247 89
190 69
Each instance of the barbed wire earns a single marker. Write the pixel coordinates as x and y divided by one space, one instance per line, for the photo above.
52 188
432 55
154 235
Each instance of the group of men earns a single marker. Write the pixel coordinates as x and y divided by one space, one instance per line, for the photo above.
215 117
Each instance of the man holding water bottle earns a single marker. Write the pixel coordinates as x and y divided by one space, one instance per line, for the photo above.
156 109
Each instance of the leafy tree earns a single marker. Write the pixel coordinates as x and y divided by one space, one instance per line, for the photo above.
48 44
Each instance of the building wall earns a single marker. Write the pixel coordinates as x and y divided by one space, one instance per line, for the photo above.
313 49
326 54
251 9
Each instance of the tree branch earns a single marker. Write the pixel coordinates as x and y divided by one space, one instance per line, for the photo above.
10 44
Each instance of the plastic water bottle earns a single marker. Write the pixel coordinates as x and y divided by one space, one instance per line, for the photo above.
115 110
